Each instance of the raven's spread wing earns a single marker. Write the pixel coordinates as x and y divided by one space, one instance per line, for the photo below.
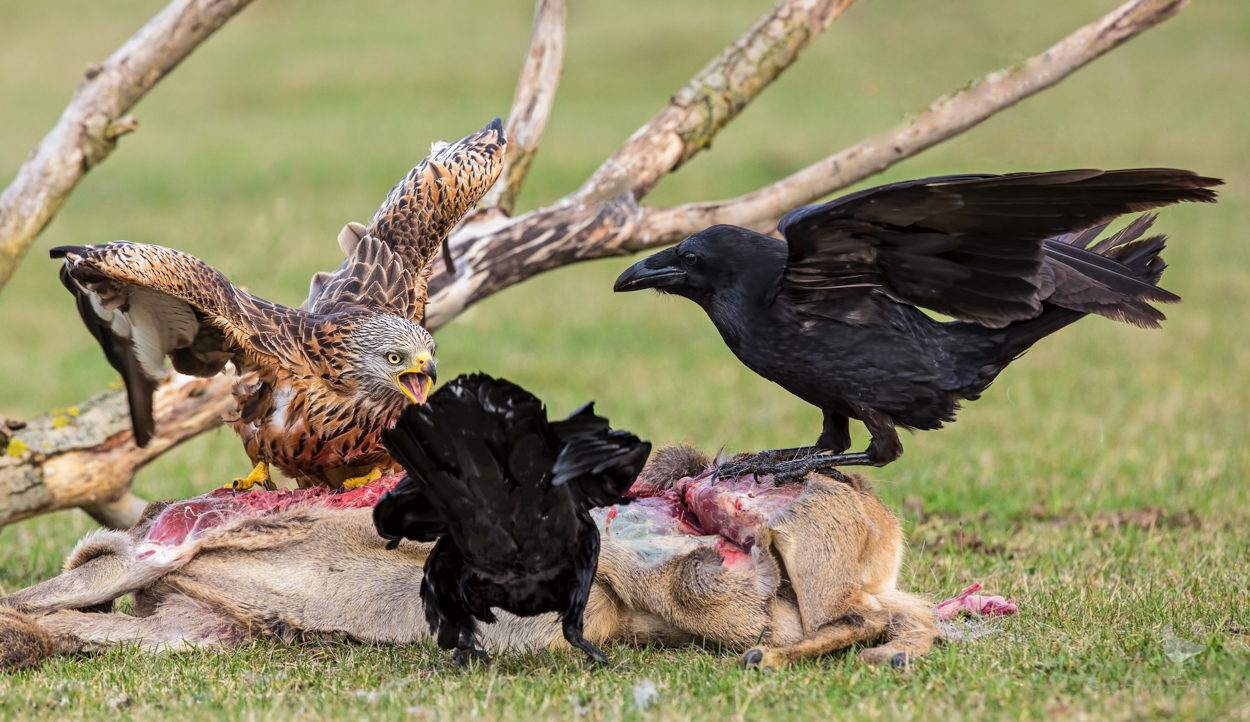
388 263
972 246
598 462
143 303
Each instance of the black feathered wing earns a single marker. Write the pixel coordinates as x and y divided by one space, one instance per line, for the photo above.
598 462
479 455
973 246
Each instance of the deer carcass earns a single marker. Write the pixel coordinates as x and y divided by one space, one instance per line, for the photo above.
799 568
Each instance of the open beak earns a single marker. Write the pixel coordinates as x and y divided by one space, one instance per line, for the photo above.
417 381
639 276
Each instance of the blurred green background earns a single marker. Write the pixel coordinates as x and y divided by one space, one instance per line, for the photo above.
300 114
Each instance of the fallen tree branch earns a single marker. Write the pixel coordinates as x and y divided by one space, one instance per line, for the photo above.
492 253
96 116
944 118
531 105
52 469
85 456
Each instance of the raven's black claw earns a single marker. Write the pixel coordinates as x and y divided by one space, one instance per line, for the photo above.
796 468
594 664
469 657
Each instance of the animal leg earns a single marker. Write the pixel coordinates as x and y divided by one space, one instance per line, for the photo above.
908 636
836 435
587 562
103 568
852 628
573 635
803 461
885 445
836 438
259 475
572 619
179 624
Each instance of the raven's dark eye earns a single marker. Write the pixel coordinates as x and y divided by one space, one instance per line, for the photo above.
393 358
690 259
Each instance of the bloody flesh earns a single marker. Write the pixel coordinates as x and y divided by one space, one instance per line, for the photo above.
695 511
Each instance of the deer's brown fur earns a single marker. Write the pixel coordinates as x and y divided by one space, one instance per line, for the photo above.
823 577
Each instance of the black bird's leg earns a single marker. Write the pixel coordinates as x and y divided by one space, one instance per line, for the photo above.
885 446
835 437
766 461
467 651
573 634
585 564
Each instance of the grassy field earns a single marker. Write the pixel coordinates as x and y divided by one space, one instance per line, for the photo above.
1103 476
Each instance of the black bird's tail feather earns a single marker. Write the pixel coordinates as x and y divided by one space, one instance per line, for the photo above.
1116 278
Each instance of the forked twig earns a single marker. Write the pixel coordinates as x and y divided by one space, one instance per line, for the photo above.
601 218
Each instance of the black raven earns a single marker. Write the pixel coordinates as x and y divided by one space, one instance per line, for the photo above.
831 314
505 495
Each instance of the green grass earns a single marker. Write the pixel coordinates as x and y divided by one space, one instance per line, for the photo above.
299 116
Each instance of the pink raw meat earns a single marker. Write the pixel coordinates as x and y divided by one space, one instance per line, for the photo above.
697 511
184 519
975 604
733 508
722 514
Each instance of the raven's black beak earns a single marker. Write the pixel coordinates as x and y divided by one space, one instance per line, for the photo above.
639 276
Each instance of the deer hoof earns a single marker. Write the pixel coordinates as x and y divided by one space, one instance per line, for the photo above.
755 657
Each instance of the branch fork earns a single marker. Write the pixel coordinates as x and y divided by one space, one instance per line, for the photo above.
88 461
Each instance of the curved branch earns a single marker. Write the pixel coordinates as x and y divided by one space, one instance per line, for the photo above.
96 116
85 456
711 99
944 118
493 253
531 105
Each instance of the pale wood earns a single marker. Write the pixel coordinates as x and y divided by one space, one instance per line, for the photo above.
96 116
531 105
948 116
85 456
493 252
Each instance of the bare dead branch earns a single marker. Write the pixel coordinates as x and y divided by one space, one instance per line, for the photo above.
85 456
944 118
96 116
601 219
490 254
531 105
91 465
711 99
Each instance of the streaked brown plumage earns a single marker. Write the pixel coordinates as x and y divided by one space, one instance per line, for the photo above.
318 383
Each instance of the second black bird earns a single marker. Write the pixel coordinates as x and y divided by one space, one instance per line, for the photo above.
505 495
833 312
